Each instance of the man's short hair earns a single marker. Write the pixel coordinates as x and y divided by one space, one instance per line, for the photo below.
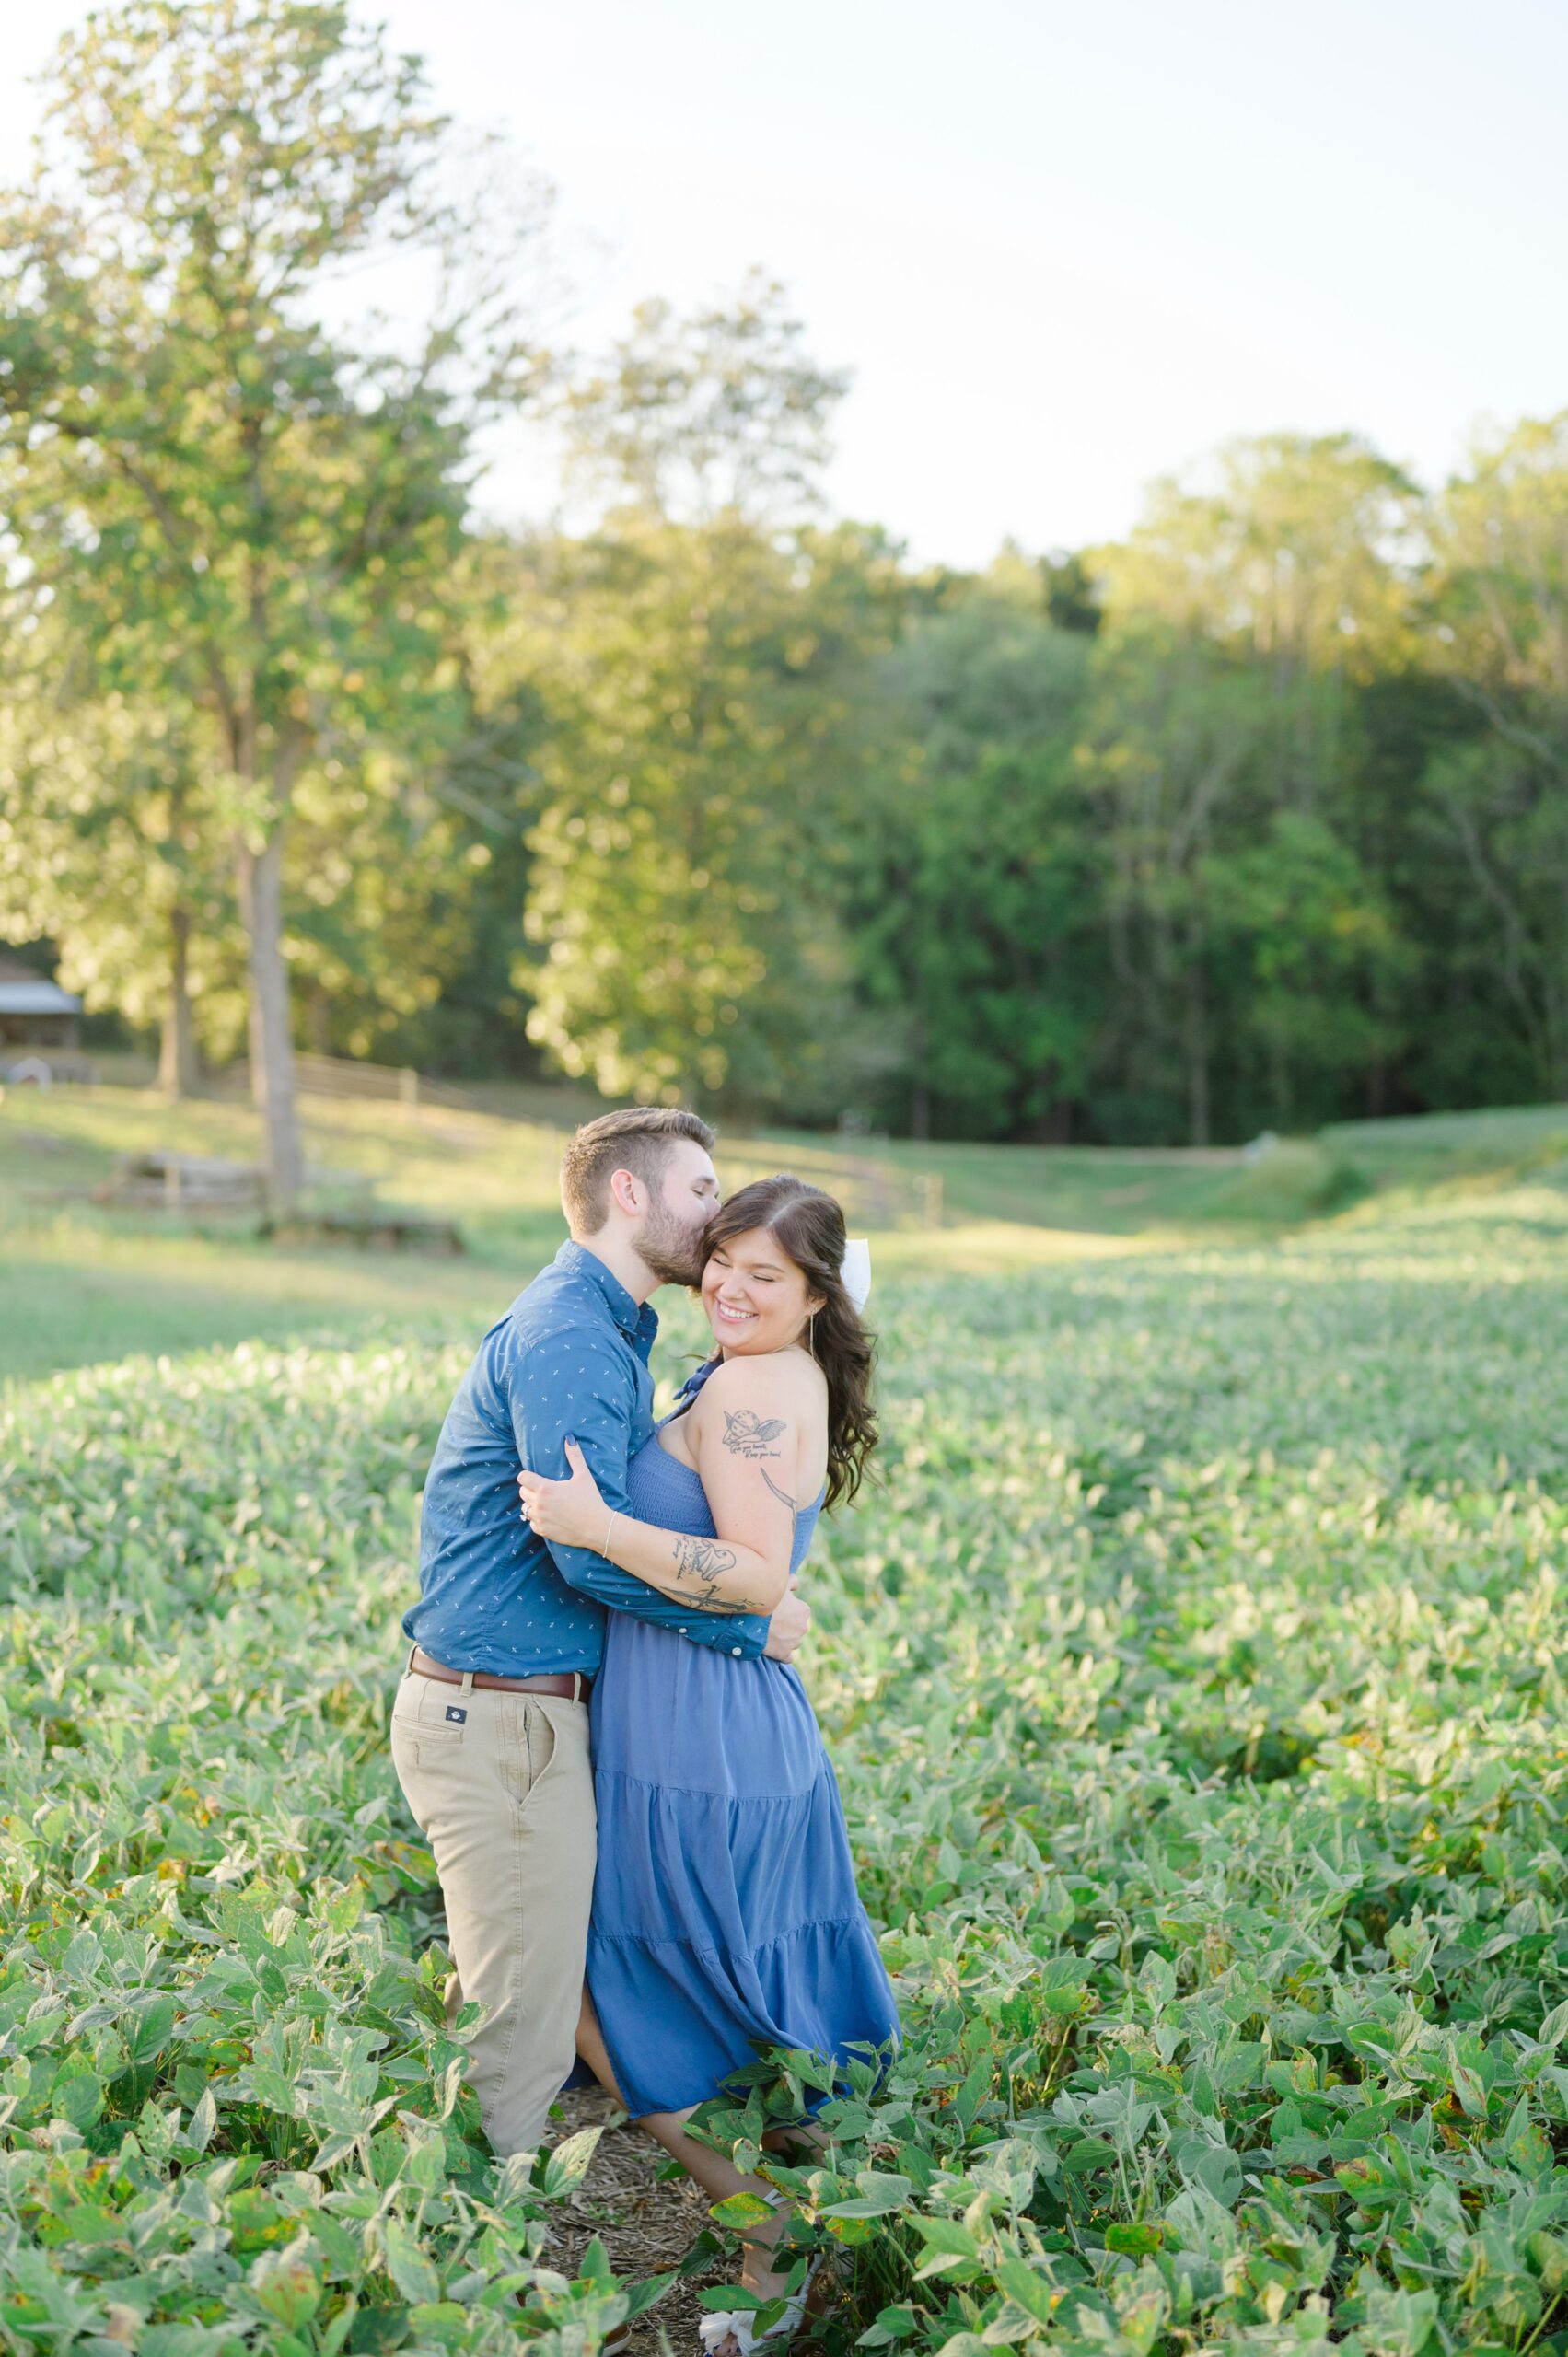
639 1139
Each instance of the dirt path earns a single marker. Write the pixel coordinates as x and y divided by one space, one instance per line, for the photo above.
647 2228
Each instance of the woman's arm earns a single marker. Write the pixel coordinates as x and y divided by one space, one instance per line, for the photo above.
746 1453
581 1382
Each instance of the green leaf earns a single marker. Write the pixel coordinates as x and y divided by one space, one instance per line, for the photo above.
738 2210
79 2100
946 2235
1012 2322
976 2088
407 2265
287 2283
377 2330
881 2192
1028 2287
1134 2239
152 2029
1549 2254
567 2163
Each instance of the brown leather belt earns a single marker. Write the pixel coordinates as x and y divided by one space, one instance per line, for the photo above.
572 1684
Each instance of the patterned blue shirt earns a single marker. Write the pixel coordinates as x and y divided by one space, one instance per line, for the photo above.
570 1357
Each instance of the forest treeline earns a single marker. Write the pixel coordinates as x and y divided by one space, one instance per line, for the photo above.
1255 818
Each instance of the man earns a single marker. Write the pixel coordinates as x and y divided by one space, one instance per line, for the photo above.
490 1727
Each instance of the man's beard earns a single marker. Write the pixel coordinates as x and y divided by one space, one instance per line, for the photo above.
667 1250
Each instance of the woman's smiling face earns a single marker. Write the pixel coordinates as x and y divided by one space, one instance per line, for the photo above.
755 1296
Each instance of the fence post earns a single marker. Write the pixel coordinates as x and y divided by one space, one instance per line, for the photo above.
408 1086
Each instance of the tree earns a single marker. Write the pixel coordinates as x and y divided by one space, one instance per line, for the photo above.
219 491
1302 554
696 683
1252 944
105 848
1500 627
694 656
1173 729
107 845
721 413
971 889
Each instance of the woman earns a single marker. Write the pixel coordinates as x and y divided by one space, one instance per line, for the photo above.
725 1915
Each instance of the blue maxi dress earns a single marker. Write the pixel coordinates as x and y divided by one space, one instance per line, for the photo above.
725 1914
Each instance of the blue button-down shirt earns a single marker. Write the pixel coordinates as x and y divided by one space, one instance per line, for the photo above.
570 1357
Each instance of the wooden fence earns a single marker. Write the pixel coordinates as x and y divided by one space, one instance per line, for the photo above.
874 1192
345 1077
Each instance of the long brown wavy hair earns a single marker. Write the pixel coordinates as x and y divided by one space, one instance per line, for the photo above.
809 1226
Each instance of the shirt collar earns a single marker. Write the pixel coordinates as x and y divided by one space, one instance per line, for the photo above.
637 1321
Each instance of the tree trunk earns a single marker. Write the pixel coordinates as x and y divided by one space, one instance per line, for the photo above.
1196 1044
271 1042
178 1067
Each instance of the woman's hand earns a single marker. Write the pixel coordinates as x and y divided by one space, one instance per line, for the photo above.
573 1511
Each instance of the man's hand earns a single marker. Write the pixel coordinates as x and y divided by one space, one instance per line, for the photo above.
787 1627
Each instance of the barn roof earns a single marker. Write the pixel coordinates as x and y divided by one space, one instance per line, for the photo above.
23 991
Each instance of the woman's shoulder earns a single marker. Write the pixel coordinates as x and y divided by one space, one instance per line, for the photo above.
767 1384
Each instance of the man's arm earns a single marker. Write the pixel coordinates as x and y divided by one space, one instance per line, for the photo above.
575 1382
747 1469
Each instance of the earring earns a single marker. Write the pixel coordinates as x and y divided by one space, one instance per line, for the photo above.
811 1333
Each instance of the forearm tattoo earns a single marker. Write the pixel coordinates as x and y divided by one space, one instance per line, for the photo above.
702 1561
752 1436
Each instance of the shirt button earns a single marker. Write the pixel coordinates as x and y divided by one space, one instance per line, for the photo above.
736 1651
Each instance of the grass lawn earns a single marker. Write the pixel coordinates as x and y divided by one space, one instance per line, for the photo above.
81 1283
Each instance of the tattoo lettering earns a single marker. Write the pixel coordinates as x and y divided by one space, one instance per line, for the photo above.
749 1435
704 1561
752 1436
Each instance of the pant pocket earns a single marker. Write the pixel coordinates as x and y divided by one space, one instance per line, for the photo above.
539 1748
427 1759
429 1713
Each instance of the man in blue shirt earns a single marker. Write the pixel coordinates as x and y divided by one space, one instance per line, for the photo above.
490 1727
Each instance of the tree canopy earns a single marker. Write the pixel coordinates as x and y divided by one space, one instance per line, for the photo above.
1257 818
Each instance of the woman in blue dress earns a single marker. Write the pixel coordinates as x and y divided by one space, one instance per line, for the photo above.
726 1916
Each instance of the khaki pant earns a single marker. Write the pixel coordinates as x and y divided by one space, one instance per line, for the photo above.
502 1787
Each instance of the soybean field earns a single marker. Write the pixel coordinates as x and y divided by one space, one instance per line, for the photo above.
1195 1680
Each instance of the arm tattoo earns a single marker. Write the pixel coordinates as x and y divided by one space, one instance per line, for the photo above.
783 1496
704 1561
751 1436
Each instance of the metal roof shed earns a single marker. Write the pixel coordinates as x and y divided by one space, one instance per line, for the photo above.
35 997
39 1027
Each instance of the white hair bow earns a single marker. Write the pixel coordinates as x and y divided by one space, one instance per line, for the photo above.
855 1271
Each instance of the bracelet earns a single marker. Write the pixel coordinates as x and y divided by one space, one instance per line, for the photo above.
609 1527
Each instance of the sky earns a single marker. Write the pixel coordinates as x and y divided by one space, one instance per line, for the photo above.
1062 248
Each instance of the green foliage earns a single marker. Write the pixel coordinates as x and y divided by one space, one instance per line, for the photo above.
695 784
721 413
1195 1683
226 501
1255 820
970 874
233 2106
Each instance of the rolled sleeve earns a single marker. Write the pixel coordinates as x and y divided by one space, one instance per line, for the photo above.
573 1383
